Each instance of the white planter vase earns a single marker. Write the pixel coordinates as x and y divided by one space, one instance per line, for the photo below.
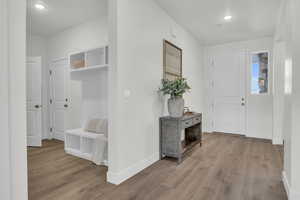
176 106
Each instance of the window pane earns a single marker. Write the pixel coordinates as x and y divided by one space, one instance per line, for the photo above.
259 76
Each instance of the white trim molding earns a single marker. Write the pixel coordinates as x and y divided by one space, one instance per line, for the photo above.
286 184
277 141
58 137
119 177
292 194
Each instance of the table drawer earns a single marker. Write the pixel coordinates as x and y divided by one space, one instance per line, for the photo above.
197 120
187 123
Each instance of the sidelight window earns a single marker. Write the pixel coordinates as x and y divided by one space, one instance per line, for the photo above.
259 74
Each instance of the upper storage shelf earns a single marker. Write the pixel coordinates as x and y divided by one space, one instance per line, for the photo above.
89 60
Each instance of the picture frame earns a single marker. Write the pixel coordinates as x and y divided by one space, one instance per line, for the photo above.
172 61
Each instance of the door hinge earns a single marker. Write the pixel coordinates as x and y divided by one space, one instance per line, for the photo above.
50 72
51 129
50 101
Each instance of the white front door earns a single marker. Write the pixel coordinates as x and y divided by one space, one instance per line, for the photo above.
259 95
228 85
34 101
59 99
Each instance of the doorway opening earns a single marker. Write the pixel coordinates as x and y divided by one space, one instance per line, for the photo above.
67 96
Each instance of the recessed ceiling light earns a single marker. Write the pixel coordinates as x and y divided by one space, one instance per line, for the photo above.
39 6
228 17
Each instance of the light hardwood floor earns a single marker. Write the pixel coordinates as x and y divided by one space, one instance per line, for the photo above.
227 167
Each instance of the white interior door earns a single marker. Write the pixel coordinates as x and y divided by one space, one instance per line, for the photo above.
34 101
229 91
59 99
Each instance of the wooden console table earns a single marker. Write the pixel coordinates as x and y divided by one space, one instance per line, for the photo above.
179 135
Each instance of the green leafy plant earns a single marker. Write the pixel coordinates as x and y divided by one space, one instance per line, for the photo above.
175 88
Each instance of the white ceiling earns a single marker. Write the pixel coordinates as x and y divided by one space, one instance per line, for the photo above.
205 18
62 14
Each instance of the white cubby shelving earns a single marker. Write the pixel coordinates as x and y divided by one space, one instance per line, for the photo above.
84 144
90 67
91 59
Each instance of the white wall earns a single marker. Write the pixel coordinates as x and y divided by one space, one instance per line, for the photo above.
87 35
95 95
37 46
259 108
278 108
5 182
86 98
137 30
295 45
13 168
288 34
282 98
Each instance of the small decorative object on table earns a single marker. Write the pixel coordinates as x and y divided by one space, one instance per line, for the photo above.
176 89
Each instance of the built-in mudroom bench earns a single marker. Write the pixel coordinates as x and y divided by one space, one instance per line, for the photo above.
179 135
89 69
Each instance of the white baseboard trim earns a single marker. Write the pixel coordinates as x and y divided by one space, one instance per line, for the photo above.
292 195
277 141
47 137
207 130
119 177
253 135
105 163
286 184
34 141
59 137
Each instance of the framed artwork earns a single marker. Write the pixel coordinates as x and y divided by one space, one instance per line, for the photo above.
172 61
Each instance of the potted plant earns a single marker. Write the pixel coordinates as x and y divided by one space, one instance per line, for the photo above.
176 89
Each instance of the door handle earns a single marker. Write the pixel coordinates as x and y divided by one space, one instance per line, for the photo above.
37 106
66 105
